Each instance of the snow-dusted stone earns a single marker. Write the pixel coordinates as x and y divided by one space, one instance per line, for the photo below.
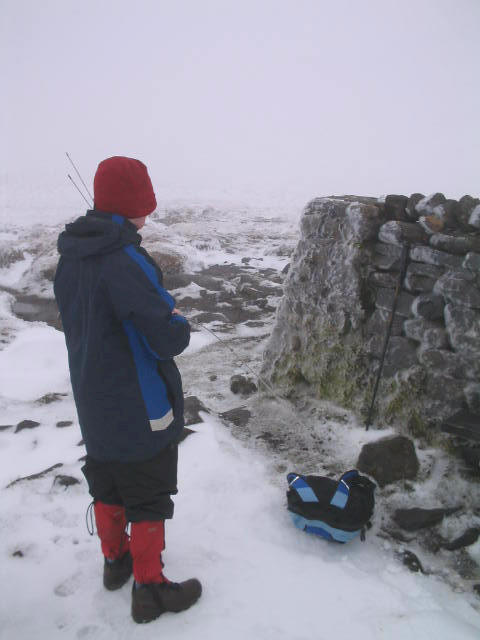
427 205
364 220
242 385
401 354
378 322
238 416
447 213
387 256
459 288
474 219
400 233
384 279
458 245
64 423
430 224
442 360
467 204
435 257
26 424
429 306
416 519
389 459
384 300
470 536
472 261
472 396
431 335
463 328
395 207
192 407
9 256
421 277
411 206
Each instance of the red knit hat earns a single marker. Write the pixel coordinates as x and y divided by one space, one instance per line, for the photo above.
122 185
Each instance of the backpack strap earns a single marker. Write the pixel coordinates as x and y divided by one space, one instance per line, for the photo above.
302 487
340 497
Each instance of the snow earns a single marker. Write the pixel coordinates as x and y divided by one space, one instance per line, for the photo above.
262 577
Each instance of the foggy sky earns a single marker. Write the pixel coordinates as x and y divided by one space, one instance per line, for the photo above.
250 99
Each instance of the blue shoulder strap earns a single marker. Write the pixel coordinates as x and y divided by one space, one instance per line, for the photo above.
340 497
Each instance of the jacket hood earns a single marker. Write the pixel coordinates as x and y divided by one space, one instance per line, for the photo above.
96 233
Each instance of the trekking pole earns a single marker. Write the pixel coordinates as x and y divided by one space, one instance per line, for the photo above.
78 174
76 187
403 269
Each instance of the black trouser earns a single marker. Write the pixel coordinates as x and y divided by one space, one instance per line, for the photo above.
143 488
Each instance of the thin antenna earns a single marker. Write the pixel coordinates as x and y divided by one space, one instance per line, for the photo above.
78 174
76 187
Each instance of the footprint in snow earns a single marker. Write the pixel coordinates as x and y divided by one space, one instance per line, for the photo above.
69 586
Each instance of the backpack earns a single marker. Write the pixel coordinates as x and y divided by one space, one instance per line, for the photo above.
336 510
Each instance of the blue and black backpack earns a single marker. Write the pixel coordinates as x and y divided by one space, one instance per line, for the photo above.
336 510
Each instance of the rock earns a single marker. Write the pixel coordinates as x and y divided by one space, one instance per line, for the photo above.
431 224
169 262
401 354
172 281
401 233
378 322
411 561
212 377
458 245
9 256
474 219
431 335
286 268
429 306
185 433
192 407
466 539
458 288
466 206
411 206
384 300
33 308
395 207
472 396
238 416
4 427
18 554
435 257
50 397
26 424
389 459
447 212
384 279
364 219
64 423
387 256
416 519
472 262
242 385
35 476
65 481
421 278
476 589
428 204
463 328
448 362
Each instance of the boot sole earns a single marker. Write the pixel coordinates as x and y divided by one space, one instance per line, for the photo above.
143 615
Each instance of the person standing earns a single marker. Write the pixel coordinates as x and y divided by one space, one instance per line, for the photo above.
122 332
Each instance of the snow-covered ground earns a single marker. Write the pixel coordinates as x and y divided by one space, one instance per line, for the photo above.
262 577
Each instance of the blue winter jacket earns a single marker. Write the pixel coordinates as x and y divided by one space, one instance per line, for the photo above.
121 339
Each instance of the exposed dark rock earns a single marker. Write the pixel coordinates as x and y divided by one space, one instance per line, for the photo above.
459 245
435 257
401 233
387 256
463 328
429 306
474 219
466 539
207 316
442 360
431 335
395 207
286 268
241 385
33 308
185 433
472 396
212 377
254 323
238 416
389 459
50 397
429 203
364 220
64 423
9 256
65 481
274 442
174 281
476 589
4 427
192 407
169 263
411 561
378 322
466 206
18 554
384 279
459 288
410 208
447 212
80 443
472 262
35 476
26 424
415 519
384 300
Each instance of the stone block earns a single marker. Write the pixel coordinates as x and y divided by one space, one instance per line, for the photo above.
415 519
365 219
447 213
463 329
384 279
466 206
389 460
474 219
395 207
472 396
401 354
387 256
429 306
410 208
401 233
384 300
378 322
459 245
428 204
472 262
442 360
429 334
459 288
435 257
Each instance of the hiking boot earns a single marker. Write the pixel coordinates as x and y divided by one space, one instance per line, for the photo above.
117 572
149 601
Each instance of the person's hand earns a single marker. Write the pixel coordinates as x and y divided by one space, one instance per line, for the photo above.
176 312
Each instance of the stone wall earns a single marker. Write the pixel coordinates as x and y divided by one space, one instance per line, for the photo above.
333 317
